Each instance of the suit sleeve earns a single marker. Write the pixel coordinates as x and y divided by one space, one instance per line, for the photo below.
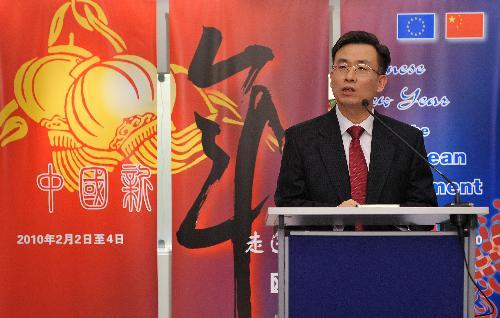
420 190
291 190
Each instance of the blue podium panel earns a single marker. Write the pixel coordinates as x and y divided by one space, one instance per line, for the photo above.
375 276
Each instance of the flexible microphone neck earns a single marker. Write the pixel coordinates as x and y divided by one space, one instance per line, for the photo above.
457 201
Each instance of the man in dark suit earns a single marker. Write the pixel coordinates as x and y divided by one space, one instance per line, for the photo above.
345 157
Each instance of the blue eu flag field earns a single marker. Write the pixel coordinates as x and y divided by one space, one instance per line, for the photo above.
416 26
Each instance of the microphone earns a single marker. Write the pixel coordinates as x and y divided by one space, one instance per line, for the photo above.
459 220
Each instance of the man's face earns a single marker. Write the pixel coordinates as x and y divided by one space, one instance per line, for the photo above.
351 87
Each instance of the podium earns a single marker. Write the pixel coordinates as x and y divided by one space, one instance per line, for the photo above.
323 272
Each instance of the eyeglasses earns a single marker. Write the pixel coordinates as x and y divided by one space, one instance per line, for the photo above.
360 69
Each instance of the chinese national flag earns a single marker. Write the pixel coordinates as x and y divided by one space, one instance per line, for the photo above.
461 25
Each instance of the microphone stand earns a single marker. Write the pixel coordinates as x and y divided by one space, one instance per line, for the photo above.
461 221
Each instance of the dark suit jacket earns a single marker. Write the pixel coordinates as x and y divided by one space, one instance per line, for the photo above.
314 168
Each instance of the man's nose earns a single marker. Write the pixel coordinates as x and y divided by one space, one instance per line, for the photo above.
351 73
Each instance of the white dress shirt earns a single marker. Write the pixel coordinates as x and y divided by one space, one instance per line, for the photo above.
365 139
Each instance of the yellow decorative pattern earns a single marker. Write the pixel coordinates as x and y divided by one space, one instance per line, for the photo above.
97 112
12 127
187 150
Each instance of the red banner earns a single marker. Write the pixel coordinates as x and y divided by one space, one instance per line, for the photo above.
78 159
242 71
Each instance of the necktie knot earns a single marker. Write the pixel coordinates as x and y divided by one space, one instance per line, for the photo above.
355 131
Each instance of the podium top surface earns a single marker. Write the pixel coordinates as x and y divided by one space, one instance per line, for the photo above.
371 214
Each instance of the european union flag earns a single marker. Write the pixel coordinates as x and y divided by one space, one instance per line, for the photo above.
416 26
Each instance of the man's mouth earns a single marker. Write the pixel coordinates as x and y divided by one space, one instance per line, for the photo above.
348 89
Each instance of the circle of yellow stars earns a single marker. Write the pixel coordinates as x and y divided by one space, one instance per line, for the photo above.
410 23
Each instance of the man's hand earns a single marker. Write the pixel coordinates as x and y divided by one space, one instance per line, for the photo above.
348 204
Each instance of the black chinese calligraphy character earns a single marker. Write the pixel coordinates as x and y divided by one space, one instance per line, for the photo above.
204 73
261 111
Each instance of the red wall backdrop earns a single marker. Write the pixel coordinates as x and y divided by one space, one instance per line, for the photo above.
214 204
77 83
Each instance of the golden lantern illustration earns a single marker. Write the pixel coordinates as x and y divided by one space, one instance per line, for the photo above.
97 112
34 87
111 106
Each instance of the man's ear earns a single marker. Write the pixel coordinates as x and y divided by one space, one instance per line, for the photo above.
382 81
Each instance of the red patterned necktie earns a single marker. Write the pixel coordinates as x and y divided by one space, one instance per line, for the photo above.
358 171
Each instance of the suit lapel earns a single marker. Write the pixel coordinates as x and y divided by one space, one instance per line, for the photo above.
381 157
333 156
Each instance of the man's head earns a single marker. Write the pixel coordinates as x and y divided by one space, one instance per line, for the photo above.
362 37
359 65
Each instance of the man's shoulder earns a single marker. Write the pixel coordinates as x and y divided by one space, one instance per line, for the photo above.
310 126
399 126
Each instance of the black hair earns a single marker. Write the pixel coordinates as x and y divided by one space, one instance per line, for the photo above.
363 37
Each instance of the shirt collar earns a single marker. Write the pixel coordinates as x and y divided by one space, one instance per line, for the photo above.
345 123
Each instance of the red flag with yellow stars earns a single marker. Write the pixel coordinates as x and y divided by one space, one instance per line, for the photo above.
465 25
